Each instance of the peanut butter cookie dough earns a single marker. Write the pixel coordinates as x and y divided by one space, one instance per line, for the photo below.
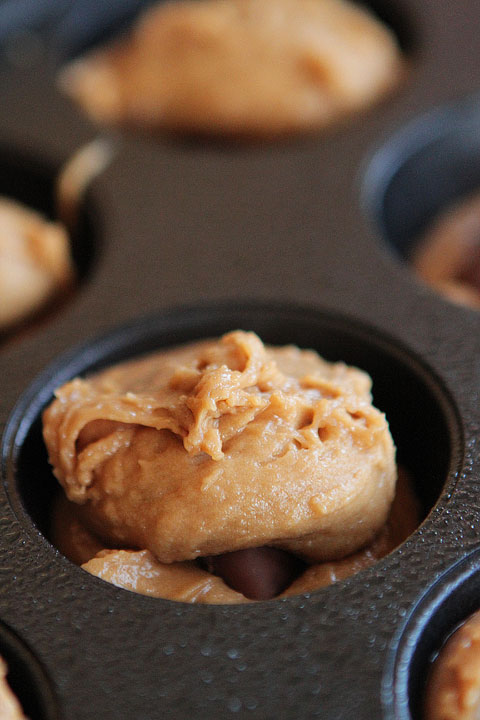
239 68
139 571
10 708
35 262
448 257
219 447
453 690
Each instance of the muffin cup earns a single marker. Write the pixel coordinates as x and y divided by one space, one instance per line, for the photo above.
304 243
212 647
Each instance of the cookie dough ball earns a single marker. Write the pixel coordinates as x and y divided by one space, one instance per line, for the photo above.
10 708
225 445
453 690
35 262
258 68
404 518
448 257
141 572
258 577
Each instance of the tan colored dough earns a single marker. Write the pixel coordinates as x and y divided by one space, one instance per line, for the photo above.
10 708
135 570
453 689
34 261
442 257
141 572
403 520
224 445
255 68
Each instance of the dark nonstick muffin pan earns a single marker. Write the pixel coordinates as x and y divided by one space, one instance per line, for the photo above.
304 241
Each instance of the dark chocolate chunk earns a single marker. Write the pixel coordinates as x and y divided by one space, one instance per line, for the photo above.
258 573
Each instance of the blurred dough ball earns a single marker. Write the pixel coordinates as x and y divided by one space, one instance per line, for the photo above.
448 256
10 708
240 68
453 688
35 261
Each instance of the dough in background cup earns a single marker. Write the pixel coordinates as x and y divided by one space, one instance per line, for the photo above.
238 68
453 688
10 708
448 256
35 262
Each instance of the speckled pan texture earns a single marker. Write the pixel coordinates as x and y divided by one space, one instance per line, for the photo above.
302 241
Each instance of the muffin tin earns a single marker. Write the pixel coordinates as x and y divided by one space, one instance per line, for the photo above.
303 241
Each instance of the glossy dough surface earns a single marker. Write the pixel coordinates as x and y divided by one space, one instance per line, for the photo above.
34 261
238 67
224 445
